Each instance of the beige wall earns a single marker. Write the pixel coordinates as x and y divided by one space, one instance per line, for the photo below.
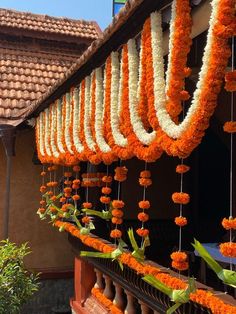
50 249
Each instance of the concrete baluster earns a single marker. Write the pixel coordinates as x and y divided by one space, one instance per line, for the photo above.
108 291
119 299
99 282
130 307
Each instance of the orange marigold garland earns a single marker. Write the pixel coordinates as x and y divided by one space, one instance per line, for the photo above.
108 304
230 81
203 297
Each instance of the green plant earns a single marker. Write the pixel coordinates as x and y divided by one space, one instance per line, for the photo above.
16 283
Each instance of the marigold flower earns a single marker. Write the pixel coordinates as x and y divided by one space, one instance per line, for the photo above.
181 221
53 198
76 197
118 204
180 265
87 205
50 193
76 181
187 71
67 174
75 186
43 188
67 182
143 217
105 199
41 210
121 171
107 179
116 233
86 220
144 204
228 249
52 209
230 127
230 81
184 95
67 195
229 223
120 178
182 168
54 167
65 207
145 174
117 213
42 202
62 200
54 184
145 181
76 168
67 190
106 190
116 220
49 168
142 232
43 173
49 184
180 198
179 256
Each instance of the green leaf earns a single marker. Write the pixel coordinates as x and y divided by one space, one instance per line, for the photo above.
173 308
207 257
137 253
158 285
228 277
95 254
106 215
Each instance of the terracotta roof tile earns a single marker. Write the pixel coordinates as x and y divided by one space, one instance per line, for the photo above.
48 24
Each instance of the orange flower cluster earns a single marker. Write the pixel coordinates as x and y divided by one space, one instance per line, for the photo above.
181 221
108 304
230 126
117 214
182 168
180 198
87 205
230 81
203 297
229 223
105 199
121 174
145 178
179 260
228 249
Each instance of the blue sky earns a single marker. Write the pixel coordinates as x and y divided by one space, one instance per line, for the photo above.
98 10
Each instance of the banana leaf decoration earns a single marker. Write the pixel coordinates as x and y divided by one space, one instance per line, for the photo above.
114 255
227 276
138 252
105 214
49 203
178 296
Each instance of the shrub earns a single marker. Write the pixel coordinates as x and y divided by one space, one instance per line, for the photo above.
17 285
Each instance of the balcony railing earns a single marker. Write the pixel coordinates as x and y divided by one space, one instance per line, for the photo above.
124 288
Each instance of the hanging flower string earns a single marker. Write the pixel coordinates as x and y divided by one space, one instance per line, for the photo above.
180 259
228 249
118 205
145 181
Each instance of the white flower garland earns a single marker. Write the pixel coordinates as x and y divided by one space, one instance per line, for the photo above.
59 127
168 126
116 92
99 111
87 113
134 86
67 123
76 120
53 112
41 134
47 132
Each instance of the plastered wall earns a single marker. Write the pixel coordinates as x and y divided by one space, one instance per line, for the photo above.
50 249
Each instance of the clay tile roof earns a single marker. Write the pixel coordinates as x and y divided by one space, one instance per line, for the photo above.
30 67
47 24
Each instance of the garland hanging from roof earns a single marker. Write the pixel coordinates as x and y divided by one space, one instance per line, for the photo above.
109 119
